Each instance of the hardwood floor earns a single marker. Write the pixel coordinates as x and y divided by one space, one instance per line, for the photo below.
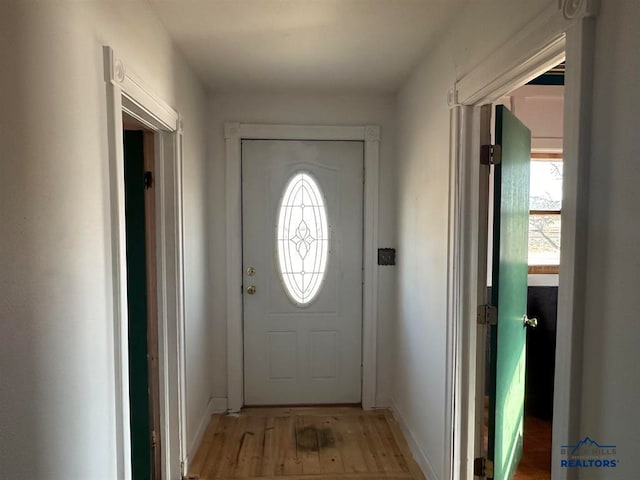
536 455
328 443
535 463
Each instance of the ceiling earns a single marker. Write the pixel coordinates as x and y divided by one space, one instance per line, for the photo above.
320 45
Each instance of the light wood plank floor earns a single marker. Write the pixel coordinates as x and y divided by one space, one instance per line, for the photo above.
328 443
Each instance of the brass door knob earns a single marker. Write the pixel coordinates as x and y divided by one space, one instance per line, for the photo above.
529 322
251 289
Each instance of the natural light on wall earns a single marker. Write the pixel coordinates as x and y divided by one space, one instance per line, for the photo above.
545 203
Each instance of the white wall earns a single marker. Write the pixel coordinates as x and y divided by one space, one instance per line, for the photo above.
541 109
423 180
57 396
611 377
302 109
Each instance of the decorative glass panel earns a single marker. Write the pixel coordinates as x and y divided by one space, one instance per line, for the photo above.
303 238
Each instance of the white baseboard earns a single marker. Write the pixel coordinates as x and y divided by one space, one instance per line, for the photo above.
383 401
219 404
418 454
215 405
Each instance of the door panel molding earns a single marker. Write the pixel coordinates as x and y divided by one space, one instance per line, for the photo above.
234 132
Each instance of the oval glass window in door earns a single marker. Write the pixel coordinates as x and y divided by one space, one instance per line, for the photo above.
302 236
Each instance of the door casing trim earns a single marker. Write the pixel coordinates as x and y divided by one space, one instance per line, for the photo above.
234 132
126 93
564 29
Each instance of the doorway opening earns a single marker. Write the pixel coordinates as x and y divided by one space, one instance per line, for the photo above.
157 132
528 55
142 300
539 105
236 137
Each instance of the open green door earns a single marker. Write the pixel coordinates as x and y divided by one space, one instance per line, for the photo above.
509 294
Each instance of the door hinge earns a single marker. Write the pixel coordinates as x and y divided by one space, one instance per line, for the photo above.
490 154
483 467
487 315
148 179
154 438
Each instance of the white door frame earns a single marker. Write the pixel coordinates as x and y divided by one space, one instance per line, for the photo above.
126 93
234 132
564 29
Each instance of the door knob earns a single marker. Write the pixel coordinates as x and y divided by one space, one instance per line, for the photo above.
251 289
529 322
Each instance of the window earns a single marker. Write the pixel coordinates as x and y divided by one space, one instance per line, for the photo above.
302 236
545 204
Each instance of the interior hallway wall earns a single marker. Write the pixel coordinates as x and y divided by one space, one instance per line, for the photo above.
57 415
302 109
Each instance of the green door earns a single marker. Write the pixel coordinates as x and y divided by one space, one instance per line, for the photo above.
141 447
509 294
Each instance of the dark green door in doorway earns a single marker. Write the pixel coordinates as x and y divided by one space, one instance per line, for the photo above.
509 294
140 417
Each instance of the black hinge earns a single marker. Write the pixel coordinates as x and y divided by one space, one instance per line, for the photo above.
490 154
483 467
487 315
148 179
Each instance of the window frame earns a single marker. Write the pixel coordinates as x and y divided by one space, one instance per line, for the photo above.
545 269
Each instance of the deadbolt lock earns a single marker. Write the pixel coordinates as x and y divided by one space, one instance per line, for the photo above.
251 289
251 271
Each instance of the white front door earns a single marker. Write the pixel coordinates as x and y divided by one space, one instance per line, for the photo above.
302 220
